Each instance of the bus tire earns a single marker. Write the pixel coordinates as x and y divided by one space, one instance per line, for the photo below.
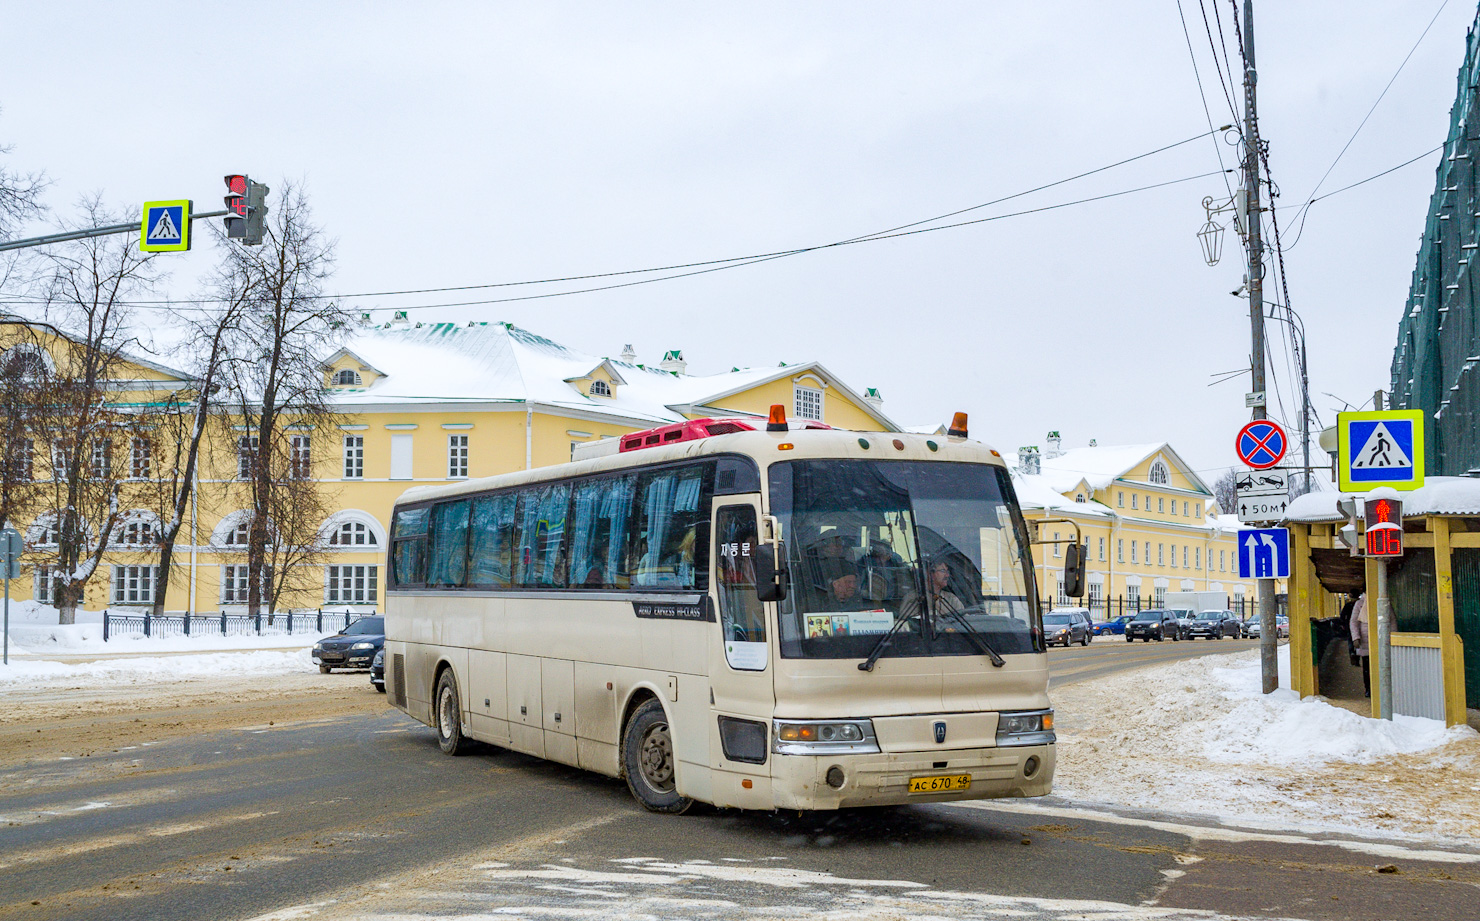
447 711
648 761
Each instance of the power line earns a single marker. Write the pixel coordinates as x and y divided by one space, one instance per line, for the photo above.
1310 199
1217 148
1221 44
738 262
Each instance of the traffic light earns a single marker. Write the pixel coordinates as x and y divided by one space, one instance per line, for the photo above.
247 202
1350 533
1384 527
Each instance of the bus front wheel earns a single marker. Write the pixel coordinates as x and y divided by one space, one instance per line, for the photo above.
648 760
448 713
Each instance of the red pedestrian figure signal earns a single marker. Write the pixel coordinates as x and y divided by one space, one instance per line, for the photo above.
1384 527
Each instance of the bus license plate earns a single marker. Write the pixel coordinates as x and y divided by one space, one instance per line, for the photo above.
945 784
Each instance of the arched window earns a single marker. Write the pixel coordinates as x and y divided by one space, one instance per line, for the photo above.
1079 497
347 378
1160 474
600 389
23 362
352 534
139 531
238 536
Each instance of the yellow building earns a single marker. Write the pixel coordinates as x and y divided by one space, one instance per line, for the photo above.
419 404
1148 521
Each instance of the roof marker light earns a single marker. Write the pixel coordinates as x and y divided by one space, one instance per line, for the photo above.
777 422
958 426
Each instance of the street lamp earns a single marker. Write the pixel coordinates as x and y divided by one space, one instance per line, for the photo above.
1211 238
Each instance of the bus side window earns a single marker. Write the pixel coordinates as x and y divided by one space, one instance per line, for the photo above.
541 517
670 529
447 563
491 561
409 546
599 518
741 612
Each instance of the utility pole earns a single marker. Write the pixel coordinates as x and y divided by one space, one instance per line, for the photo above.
1268 637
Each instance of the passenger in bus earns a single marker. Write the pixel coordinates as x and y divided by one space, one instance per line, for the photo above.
841 580
942 603
881 573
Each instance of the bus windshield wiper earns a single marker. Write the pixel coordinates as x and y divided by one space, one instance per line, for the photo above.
978 640
873 657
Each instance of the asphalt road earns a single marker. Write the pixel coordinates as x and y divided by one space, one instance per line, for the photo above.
360 816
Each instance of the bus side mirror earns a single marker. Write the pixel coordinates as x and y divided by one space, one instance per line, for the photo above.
1074 560
770 571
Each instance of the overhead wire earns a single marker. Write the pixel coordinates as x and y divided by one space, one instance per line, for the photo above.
1228 96
1217 147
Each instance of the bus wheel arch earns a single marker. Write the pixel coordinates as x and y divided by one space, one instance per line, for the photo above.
447 711
647 762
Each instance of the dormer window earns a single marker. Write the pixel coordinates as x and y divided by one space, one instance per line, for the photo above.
347 378
600 389
1160 474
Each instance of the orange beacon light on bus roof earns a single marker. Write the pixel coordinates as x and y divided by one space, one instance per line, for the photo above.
777 421
958 426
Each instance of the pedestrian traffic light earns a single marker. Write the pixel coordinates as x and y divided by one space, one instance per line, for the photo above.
1350 533
1384 527
246 202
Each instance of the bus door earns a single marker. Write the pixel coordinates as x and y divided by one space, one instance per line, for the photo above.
740 651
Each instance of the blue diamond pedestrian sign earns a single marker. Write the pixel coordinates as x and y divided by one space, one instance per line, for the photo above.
1264 553
165 227
1382 448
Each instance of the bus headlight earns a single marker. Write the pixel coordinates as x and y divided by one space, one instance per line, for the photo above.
815 737
1030 727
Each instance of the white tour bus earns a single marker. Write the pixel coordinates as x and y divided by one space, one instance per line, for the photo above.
780 618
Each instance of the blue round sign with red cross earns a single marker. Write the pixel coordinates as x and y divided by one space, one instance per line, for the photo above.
1261 444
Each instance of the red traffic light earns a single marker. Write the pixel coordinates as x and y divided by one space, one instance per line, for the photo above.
236 201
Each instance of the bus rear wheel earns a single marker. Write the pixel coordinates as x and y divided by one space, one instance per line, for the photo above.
447 711
648 760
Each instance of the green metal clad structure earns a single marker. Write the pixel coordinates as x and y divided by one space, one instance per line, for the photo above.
1436 365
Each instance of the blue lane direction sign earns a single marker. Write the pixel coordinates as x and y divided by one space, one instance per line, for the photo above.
1264 553
1261 444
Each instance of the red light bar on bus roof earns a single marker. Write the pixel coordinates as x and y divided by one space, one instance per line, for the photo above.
693 430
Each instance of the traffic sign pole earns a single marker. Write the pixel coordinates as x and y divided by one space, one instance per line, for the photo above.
10 557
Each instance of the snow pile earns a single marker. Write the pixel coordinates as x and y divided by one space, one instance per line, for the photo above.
1199 738
31 672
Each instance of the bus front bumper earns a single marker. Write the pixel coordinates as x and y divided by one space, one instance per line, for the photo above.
883 779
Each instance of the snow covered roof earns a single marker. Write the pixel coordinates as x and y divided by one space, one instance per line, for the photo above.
1102 465
1037 491
501 362
1440 495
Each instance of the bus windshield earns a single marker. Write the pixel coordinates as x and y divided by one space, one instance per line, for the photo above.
933 551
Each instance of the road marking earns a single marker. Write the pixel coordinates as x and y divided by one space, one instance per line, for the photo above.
1223 833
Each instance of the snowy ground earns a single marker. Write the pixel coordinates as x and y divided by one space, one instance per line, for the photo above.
1198 738
34 632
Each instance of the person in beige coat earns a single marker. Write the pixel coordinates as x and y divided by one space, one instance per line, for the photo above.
1360 648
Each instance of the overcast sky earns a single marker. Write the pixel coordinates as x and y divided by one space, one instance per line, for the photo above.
479 143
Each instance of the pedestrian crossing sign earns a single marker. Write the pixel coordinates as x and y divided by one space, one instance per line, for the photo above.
165 227
1382 448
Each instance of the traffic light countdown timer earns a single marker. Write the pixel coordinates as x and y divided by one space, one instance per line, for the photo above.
247 203
1384 526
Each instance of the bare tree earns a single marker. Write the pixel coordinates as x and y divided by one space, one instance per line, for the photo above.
86 283
277 387
1225 492
20 196
24 376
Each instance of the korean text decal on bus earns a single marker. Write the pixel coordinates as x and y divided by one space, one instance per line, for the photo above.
791 617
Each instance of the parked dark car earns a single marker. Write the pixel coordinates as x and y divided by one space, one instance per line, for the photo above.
1155 624
1215 625
377 670
353 647
1185 617
1064 628
1083 616
1116 626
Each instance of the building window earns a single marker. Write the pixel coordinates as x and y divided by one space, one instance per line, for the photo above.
457 456
239 535
354 457
1120 549
1222 558
1197 557
1197 510
352 534
1096 592
1160 505
351 584
234 583
44 589
141 459
133 584
1133 551
1185 513
246 456
1079 497
1056 544
1161 556
1135 500
59 458
1133 596
1184 556
1159 596
600 389
349 377
1148 553
102 458
808 403
21 468
1159 473
1063 601
1174 556
1120 498
300 460
1102 550
139 533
